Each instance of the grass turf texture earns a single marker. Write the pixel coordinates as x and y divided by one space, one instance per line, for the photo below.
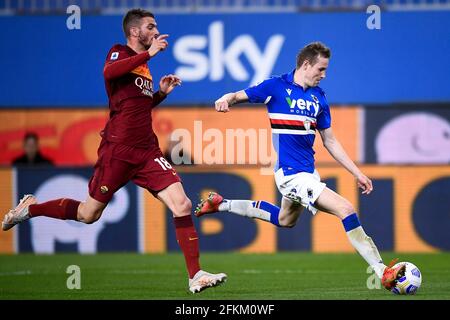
279 276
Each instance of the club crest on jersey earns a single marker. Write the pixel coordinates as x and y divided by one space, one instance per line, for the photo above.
307 124
315 98
115 55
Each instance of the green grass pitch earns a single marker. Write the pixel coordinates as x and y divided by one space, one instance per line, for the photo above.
282 276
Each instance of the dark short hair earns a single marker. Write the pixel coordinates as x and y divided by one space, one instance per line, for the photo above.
311 52
30 135
132 19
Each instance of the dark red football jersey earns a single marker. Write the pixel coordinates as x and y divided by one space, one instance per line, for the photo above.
129 86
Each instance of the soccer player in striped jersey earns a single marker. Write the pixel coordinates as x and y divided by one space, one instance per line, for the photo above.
297 109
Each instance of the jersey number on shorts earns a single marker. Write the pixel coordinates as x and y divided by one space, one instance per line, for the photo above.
163 163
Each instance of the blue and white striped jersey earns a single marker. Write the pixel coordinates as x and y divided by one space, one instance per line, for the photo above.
294 114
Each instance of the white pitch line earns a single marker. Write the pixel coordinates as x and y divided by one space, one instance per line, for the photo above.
15 273
287 271
143 272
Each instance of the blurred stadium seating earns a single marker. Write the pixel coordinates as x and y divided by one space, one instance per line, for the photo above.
210 6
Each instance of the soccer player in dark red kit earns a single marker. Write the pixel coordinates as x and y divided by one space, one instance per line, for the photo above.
129 148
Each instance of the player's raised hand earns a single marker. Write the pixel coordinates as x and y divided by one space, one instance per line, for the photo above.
364 183
222 105
159 43
168 83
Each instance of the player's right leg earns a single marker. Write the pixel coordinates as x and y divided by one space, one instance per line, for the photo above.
91 210
331 202
289 213
63 209
109 175
20 213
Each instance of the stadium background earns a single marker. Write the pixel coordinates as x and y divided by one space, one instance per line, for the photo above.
389 91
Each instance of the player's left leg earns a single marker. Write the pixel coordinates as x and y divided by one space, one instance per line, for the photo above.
174 197
331 202
292 187
286 216
180 205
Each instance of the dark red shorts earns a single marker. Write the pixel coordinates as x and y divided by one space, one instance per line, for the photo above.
117 164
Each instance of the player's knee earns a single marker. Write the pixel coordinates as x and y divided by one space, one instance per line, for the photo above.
287 222
90 220
183 207
345 209
90 217
187 205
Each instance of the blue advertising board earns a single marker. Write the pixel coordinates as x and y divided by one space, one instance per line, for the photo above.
44 64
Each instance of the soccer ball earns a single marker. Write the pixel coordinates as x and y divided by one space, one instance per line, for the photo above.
410 282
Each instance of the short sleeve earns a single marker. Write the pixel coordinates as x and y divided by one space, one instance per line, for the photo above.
260 92
324 116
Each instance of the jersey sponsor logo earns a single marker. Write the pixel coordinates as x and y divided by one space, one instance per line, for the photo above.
114 55
145 85
289 91
302 106
315 98
104 189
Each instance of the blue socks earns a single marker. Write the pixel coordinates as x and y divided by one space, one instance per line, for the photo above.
273 210
351 222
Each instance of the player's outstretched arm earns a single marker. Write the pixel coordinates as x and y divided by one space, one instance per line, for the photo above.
224 103
336 150
116 68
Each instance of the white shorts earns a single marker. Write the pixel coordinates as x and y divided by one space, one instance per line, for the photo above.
302 187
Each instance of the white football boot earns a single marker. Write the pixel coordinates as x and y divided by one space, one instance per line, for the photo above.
203 280
19 213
